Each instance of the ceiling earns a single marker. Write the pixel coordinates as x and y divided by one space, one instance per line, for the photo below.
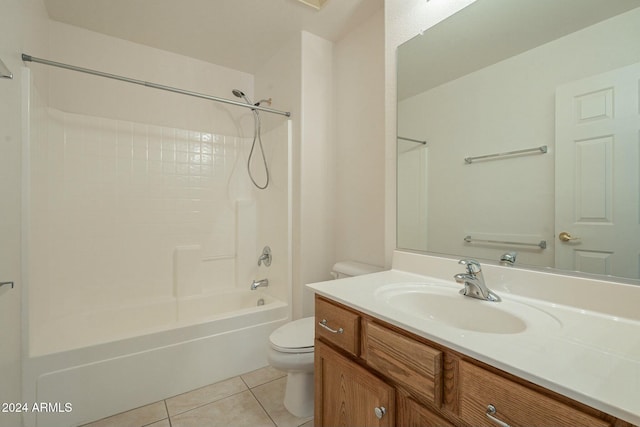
239 34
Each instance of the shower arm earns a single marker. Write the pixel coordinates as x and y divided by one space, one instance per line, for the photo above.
29 58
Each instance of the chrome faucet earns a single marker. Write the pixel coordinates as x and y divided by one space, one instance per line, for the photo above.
265 257
259 284
508 258
473 281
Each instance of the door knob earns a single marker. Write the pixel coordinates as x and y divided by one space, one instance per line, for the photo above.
566 237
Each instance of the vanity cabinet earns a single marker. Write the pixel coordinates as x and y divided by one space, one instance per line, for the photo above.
370 373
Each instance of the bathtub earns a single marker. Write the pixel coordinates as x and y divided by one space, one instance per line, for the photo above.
88 366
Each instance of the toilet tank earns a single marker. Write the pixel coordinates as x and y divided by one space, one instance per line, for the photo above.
344 269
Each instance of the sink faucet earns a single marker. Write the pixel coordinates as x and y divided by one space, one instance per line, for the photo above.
473 281
259 283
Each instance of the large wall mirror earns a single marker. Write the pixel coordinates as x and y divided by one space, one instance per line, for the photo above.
519 131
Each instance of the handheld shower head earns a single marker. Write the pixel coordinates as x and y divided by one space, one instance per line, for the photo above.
256 137
240 94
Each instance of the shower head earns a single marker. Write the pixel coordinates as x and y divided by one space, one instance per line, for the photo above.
240 94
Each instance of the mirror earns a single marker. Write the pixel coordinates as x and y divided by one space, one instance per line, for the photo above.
519 131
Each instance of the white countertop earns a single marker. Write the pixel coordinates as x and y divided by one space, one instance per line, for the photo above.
589 356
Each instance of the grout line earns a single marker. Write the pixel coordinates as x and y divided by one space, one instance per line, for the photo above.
207 403
258 400
245 383
166 407
263 408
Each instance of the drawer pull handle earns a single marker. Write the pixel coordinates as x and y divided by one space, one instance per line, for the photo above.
380 411
333 331
491 411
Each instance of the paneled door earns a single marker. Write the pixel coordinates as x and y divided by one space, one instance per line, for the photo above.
346 394
597 181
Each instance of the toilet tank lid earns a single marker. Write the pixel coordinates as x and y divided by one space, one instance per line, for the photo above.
354 268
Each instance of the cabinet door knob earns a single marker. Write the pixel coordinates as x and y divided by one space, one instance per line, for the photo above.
491 411
380 411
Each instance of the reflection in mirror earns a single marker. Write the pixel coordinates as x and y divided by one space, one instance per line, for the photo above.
531 114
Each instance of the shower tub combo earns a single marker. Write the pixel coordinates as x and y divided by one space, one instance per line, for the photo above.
105 332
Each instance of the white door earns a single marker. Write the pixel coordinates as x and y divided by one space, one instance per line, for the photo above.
597 180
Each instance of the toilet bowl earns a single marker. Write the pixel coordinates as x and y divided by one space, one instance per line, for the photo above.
291 349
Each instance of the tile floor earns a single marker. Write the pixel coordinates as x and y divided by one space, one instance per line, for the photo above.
252 400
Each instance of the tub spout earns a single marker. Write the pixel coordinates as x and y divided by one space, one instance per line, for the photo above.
259 283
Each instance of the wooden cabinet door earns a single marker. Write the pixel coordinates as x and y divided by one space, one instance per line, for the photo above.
347 394
412 414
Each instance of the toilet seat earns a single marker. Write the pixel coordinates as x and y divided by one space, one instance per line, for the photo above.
294 337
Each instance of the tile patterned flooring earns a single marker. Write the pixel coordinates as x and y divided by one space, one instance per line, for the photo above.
252 400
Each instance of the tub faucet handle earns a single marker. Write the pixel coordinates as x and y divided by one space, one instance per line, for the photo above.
266 257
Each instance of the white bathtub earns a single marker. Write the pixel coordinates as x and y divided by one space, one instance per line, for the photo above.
108 362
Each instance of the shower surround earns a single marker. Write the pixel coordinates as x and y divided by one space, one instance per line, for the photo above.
125 213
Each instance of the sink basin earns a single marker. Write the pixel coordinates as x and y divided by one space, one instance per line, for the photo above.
443 304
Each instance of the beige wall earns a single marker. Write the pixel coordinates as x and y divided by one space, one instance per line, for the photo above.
97 96
317 215
22 25
359 143
299 77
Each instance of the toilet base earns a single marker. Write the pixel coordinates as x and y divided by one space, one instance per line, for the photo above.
298 396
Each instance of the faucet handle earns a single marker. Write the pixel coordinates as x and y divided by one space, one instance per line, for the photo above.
265 256
473 266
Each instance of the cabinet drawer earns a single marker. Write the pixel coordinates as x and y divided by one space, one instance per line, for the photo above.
515 404
338 326
407 362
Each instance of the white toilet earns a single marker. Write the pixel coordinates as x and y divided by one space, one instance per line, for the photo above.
291 349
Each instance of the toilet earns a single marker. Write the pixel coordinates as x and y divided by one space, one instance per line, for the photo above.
291 349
